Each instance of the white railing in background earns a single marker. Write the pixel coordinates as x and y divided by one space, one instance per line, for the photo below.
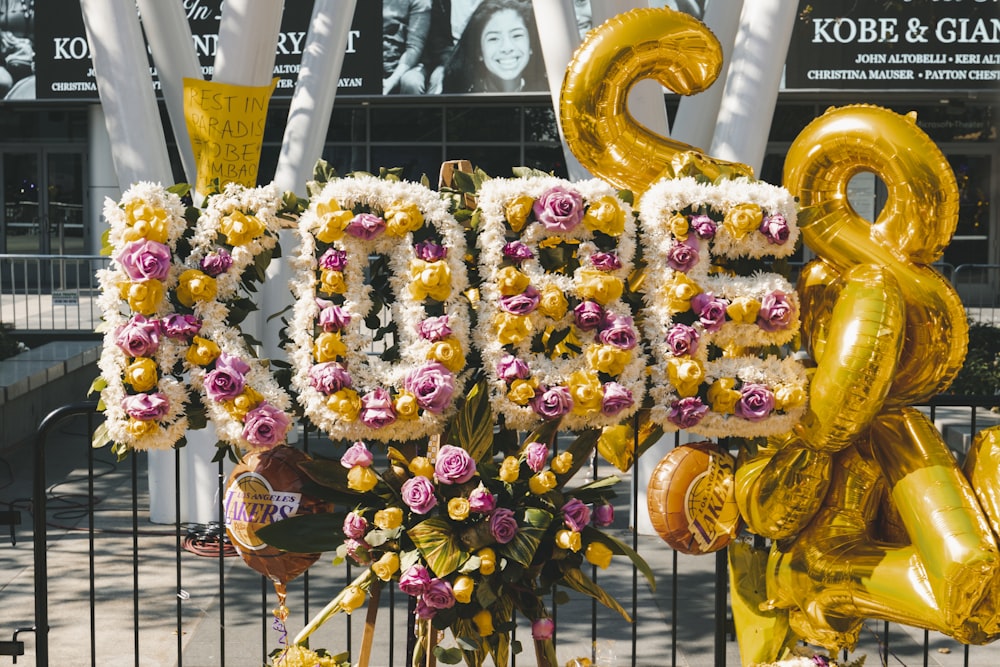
49 293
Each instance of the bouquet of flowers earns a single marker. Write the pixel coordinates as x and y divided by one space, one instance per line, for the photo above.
472 537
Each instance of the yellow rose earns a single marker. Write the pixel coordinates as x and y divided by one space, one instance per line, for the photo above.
142 374
598 554
542 482
605 215
354 597
512 329
522 391
722 397
608 358
598 286
421 466
561 463
332 282
145 222
743 310
510 281
742 219
679 226
552 302
402 217
462 588
406 406
361 478
143 297
458 509
449 352
332 221
678 292
386 566
487 561
239 407
346 404
569 540
328 347
239 228
193 285
202 352
586 391
389 519
430 280
484 622
140 429
788 396
510 469
517 211
686 375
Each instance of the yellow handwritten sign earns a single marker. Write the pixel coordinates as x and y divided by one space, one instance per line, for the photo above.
226 126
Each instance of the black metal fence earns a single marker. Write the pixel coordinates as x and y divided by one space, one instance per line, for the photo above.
112 589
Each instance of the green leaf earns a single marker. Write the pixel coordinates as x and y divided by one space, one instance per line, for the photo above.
472 429
438 544
180 189
599 489
529 536
305 533
578 581
448 656
591 534
499 644
97 385
101 436
328 473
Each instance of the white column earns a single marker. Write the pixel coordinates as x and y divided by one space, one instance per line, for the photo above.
556 22
645 100
752 84
248 36
169 36
697 114
101 180
122 72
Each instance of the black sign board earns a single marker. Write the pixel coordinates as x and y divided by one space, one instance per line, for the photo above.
895 45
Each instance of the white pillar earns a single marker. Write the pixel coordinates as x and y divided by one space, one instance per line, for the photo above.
697 114
169 36
645 100
101 180
122 72
248 36
556 22
752 84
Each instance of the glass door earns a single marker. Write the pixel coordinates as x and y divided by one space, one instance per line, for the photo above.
22 219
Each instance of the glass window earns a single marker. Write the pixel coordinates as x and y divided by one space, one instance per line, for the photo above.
971 242
484 124
394 123
496 161
540 124
416 161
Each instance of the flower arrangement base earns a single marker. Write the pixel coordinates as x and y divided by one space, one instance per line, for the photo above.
375 596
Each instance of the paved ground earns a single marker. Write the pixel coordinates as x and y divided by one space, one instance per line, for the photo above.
243 629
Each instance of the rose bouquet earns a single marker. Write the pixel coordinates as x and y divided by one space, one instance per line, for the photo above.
471 537
172 301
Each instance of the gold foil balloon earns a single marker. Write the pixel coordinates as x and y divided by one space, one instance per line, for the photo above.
690 498
673 48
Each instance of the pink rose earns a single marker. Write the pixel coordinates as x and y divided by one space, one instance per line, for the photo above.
775 228
233 362
536 454
365 226
145 260
434 328
619 331
703 226
432 385
182 327
588 315
216 263
756 402
429 251
454 465
265 426
415 580
517 252
605 261
510 368
552 402
776 312
224 383
333 260
139 337
355 525
329 377
710 310
576 515
358 550
503 525
424 611
687 412
482 501
542 629
683 256
604 515
357 455
616 398
418 494
439 594
682 340
334 318
559 209
377 409
146 407
520 304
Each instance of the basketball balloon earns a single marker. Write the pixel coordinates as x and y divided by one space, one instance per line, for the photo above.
267 487
691 498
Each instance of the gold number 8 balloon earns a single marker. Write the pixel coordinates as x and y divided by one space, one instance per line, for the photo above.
899 535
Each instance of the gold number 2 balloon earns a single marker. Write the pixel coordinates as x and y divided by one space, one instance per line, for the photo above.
673 48
900 534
